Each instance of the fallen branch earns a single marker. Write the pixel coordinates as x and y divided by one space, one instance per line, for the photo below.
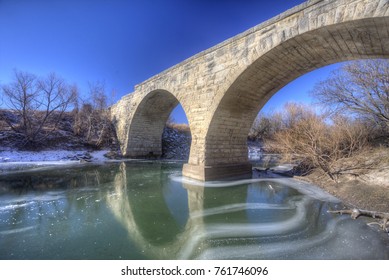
355 213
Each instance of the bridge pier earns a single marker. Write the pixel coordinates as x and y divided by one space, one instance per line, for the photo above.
217 172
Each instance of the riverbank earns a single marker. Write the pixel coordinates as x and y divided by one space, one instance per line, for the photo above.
64 147
370 192
366 189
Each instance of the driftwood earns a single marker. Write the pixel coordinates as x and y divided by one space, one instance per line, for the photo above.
355 213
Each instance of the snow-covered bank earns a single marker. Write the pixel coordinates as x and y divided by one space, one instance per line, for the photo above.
10 156
20 161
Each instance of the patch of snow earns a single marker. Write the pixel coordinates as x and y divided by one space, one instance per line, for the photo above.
15 161
254 151
283 167
12 156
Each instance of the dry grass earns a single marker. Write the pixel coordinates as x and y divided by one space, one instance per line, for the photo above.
182 127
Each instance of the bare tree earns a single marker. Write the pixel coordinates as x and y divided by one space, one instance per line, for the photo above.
37 103
315 143
360 88
92 120
265 126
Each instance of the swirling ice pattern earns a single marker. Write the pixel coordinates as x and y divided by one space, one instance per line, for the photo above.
297 237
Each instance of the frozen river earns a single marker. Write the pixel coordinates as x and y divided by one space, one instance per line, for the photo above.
146 210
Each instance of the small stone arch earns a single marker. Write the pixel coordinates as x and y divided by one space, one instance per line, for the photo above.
149 118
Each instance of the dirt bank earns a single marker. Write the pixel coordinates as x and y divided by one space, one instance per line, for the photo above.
370 191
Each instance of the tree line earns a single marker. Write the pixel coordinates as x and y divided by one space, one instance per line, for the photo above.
339 140
35 107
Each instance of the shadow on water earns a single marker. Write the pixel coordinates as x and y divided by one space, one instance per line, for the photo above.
145 210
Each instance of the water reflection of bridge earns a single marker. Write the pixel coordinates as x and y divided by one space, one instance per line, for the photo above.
159 235
134 219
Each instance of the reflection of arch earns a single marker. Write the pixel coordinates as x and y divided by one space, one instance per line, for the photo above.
125 212
147 124
157 227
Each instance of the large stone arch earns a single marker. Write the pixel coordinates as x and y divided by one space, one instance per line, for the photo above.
225 149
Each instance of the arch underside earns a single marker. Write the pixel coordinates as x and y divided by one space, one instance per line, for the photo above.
226 139
146 128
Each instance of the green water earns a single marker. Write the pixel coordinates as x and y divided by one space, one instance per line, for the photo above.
146 210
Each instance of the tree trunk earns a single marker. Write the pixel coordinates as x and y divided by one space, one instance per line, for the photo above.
355 213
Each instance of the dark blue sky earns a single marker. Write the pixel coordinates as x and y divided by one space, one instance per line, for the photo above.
124 42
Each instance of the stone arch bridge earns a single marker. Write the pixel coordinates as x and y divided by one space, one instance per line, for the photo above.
223 88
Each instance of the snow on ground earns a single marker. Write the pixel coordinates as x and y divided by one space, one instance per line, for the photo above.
49 156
